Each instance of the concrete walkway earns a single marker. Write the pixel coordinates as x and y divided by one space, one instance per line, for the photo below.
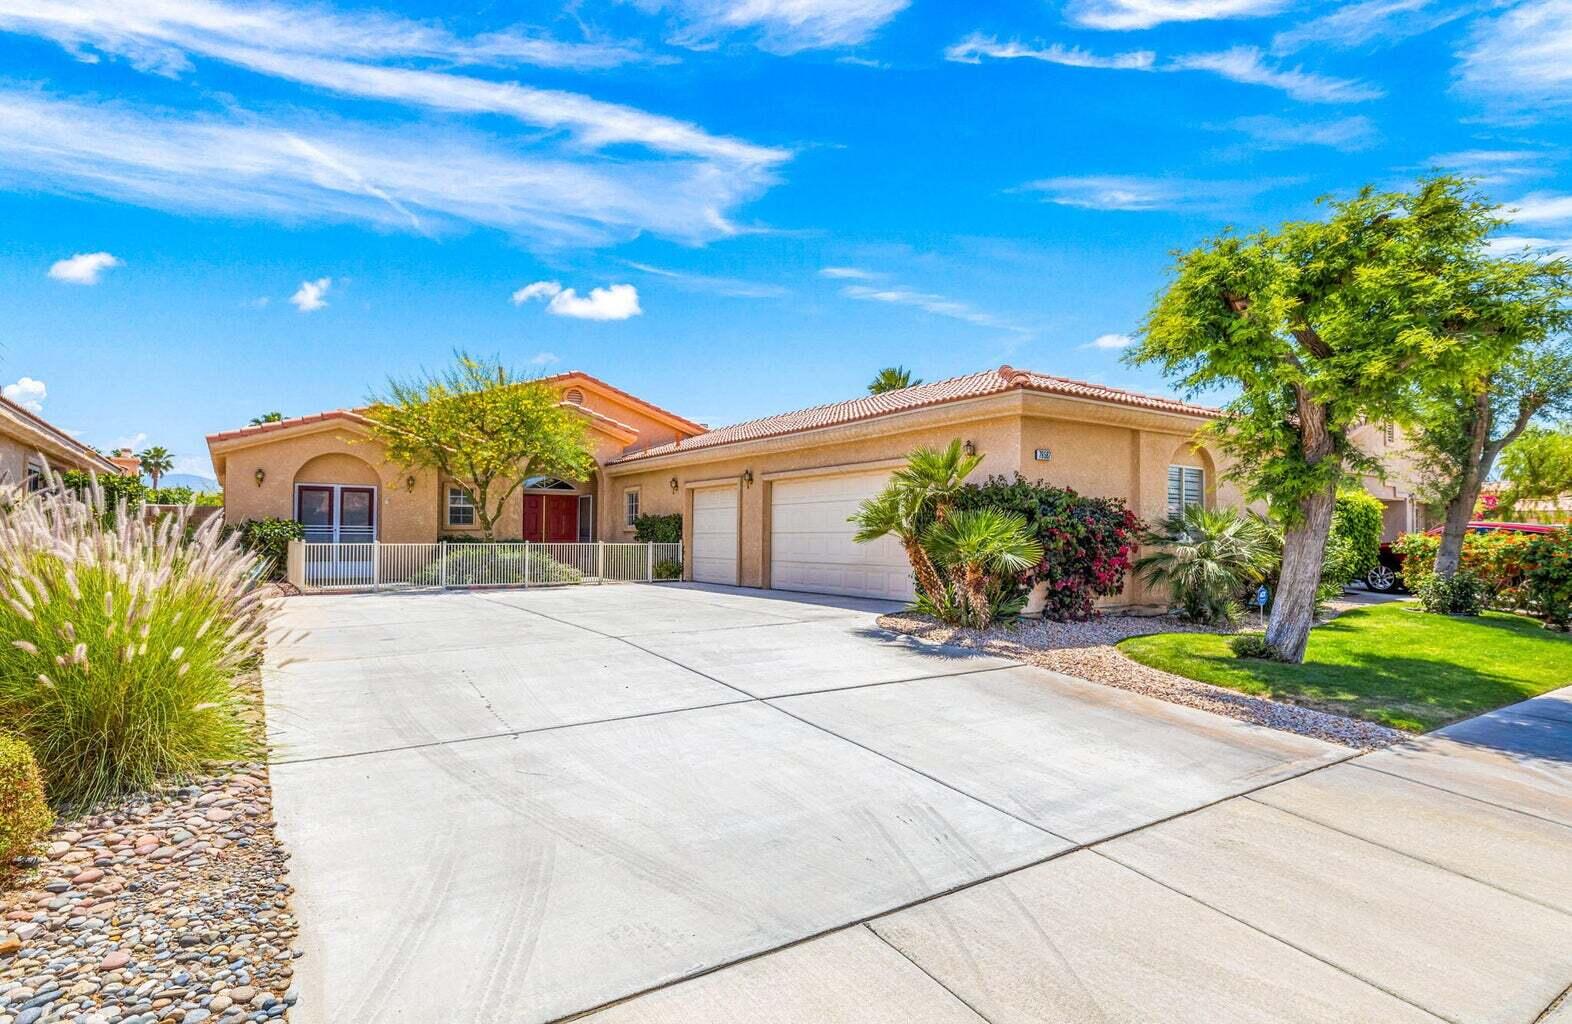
694 804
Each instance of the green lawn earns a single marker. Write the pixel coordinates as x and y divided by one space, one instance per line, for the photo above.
1386 663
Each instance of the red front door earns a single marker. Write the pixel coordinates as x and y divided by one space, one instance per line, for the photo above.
552 518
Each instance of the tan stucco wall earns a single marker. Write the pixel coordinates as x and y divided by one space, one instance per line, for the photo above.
20 443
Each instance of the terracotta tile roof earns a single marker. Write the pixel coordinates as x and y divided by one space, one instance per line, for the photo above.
973 385
31 420
355 415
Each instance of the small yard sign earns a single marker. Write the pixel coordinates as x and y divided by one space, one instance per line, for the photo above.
1259 600
1043 455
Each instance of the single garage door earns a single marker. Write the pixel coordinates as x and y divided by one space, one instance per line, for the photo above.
811 546
715 535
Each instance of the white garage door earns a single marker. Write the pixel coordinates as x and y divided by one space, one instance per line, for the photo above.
715 535
811 546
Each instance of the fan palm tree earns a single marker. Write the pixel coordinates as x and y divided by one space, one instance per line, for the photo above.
936 475
900 513
892 378
1207 557
156 461
979 545
267 417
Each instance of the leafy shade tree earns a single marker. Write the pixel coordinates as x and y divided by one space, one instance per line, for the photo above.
156 461
1526 371
1537 465
485 428
1319 326
267 417
978 545
892 378
1205 558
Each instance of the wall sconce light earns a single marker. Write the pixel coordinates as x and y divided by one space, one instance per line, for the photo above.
409 484
261 476
747 477
971 449
674 485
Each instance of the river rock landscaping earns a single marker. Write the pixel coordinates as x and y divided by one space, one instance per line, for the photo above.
1087 650
166 908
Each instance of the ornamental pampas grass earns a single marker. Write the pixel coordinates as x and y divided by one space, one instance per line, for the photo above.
121 642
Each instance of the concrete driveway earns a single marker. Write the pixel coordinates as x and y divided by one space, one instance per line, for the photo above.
704 804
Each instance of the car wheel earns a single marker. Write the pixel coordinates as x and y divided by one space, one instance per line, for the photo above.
1381 580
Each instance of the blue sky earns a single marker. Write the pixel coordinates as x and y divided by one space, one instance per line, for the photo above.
214 209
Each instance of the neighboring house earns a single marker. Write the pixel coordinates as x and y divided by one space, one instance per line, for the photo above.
1401 487
28 442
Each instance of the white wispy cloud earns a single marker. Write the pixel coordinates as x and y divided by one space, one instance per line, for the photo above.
1540 208
83 268
1248 66
848 274
411 177
1543 248
556 179
730 287
1522 57
778 26
1369 24
1110 342
976 46
544 359
311 295
1274 133
1137 14
938 305
1495 166
28 393
614 302
1135 193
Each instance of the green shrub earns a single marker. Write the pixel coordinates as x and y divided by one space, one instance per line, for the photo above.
474 561
269 539
1461 594
1354 545
1548 578
668 569
1086 542
123 644
1253 645
1500 558
1207 558
653 529
24 813
115 491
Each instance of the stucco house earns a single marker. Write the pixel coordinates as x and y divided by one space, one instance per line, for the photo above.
28 442
764 503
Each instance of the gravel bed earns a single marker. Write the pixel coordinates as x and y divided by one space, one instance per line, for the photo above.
168 907
1086 650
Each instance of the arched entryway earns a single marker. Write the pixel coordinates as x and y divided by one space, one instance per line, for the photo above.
336 499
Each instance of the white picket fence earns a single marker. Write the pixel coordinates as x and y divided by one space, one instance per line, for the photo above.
379 566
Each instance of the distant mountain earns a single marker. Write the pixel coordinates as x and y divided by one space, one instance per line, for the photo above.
191 480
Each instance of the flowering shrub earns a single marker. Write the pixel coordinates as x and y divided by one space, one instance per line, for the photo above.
1086 542
122 642
1499 558
1548 578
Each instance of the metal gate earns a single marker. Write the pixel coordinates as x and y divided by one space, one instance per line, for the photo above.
378 566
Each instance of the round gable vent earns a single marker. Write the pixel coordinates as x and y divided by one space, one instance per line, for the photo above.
573 395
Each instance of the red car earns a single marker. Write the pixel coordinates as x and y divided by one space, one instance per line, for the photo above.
1388 573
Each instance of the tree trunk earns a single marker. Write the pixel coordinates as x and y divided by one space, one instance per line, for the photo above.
1449 556
976 587
1304 550
928 580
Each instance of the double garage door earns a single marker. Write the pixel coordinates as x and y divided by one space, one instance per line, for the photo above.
811 545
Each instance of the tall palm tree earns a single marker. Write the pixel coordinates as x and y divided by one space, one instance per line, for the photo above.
267 417
900 513
892 378
1206 557
979 545
156 461
937 475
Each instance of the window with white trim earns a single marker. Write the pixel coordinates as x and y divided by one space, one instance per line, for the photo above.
461 510
1186 487
630 506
